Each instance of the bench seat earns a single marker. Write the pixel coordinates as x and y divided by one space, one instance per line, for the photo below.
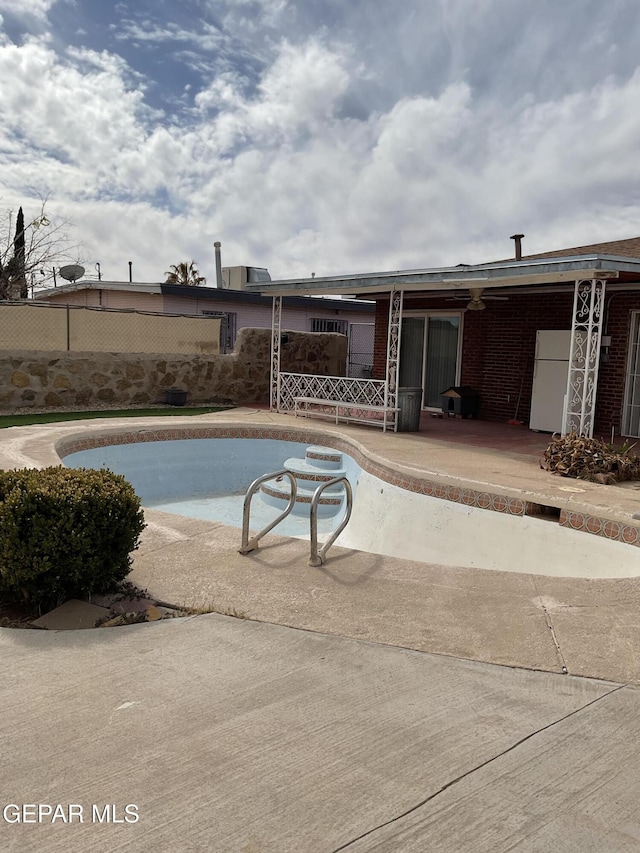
339 410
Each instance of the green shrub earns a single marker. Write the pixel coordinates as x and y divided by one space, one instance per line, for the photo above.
65 533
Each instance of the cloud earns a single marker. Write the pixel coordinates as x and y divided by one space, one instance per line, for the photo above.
324 152
34 11
206 37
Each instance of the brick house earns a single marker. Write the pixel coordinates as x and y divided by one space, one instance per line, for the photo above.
483 326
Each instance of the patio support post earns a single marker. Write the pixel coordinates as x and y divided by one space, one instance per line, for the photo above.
276 322
393 353
584 357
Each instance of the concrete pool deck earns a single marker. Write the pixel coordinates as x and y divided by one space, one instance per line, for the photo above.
340 715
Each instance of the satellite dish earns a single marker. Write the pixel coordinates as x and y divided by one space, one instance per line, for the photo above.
72 272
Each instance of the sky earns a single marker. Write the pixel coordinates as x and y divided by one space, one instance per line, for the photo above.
320 136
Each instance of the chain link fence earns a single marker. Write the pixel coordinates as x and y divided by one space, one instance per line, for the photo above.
40 326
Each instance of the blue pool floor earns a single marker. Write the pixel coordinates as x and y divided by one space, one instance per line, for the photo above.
228 510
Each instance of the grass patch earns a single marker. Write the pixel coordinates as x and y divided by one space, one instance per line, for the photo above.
57 417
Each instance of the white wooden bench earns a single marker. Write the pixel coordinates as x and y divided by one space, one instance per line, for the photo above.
339 410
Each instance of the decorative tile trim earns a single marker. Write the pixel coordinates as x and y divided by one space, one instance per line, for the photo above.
315 478
324 457
603 527
300 499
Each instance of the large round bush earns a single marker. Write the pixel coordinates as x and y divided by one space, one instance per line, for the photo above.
65 533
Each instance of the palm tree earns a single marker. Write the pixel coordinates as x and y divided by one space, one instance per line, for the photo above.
184 273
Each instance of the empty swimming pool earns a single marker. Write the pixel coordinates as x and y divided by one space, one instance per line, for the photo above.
393 514
208 478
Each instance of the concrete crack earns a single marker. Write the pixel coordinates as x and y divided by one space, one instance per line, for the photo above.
473 770
547 619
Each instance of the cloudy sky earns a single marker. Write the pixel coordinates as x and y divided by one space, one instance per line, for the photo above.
326 136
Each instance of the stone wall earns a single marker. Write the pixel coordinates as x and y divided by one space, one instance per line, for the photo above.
32 379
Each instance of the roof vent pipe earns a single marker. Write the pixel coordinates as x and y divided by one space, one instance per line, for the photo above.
130 271
219 282
517 238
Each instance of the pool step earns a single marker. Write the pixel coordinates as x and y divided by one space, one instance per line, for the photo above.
310 476
277 492
324 458
320 464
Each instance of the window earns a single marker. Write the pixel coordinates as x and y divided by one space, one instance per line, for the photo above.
320 324
228 328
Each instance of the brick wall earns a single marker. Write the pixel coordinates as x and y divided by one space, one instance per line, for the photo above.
499 349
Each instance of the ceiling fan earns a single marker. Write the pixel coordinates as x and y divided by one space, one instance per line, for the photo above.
477 303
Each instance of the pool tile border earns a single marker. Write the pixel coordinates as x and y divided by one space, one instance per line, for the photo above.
579 521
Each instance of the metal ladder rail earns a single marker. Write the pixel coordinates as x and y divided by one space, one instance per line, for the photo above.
249 545
318 557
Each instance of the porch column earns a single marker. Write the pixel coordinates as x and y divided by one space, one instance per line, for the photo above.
584 357
276 322
393 352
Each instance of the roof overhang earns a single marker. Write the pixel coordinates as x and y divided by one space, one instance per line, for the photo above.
503 274
76 286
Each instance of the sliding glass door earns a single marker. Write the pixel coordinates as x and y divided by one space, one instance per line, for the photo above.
631 418
429 355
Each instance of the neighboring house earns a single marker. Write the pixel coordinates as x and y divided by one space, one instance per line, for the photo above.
237 307
551 339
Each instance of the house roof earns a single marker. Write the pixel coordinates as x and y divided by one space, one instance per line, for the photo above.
215 295
629 248
617 259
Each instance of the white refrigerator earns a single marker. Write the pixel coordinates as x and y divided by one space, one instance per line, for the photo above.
550 379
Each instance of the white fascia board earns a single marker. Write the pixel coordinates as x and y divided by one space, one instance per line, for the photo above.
77 286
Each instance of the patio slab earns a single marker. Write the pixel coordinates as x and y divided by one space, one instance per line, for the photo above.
570 787
72 615
480 615
586 627
233 736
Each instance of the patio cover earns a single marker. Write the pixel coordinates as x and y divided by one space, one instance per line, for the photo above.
588 272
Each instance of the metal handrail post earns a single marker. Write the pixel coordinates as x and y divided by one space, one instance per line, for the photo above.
251 544
318 557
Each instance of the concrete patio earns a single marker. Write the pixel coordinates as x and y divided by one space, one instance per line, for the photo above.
374 704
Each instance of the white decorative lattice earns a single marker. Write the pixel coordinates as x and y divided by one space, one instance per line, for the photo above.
393 351
584 357
276 322
352 392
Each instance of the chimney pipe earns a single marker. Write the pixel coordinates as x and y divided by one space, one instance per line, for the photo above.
517 238
130 273
217 246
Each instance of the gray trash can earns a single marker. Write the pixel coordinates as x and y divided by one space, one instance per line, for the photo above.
410 406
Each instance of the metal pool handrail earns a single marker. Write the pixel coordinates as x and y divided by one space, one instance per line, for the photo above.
251 544
318 557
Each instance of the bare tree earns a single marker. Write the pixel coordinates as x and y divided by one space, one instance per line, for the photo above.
29 251
184 273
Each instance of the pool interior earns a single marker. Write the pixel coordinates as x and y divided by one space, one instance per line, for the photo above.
208 479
